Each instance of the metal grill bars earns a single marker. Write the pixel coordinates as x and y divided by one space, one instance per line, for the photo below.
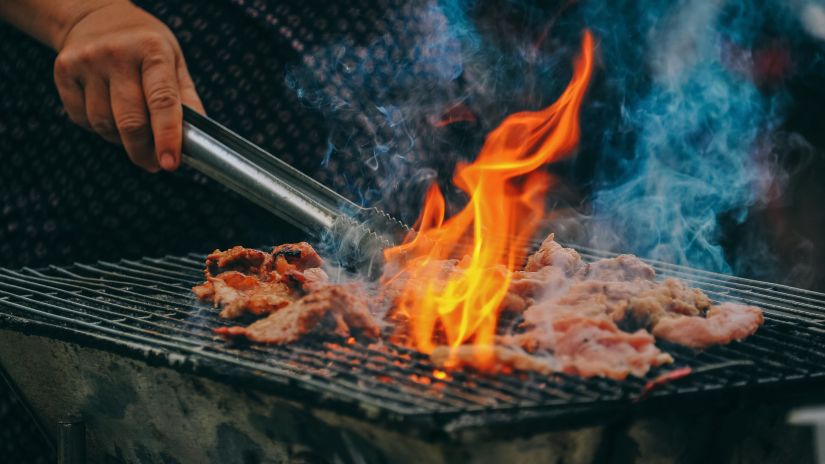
148 303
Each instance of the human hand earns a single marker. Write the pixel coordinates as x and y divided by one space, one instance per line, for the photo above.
120 73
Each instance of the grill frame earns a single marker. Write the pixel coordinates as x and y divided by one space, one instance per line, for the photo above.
434 410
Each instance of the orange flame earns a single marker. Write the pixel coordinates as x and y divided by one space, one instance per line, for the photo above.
506 203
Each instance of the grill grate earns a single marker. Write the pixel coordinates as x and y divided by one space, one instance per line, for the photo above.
144 308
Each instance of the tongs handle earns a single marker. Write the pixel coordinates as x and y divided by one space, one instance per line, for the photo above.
259 176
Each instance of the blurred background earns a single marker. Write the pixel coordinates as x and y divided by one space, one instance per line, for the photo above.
702 132
701 143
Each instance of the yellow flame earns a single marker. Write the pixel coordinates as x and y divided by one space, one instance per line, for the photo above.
506 203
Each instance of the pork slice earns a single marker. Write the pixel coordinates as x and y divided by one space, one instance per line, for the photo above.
632 304
722 324
587 347
586 298
340 310
590 347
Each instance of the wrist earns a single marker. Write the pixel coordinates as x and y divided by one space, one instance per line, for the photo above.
70 13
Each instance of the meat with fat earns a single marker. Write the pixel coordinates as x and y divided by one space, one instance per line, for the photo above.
243 280
238 293
341 310
551 253
723 324
622 268
588 319
588 346
240 259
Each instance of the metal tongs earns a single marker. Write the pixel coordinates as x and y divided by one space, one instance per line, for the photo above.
358 234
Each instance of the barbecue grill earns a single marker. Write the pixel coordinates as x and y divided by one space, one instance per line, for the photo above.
75 338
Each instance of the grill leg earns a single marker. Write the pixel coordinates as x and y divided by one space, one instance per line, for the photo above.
820 443
812 416
71 441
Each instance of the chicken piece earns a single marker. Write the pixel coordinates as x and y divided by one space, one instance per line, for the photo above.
340 310
239 293
622 268
251 281
550 253
240 259
722 324
295 256
553 268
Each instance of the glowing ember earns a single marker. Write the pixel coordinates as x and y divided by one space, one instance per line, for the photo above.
506 202
439 374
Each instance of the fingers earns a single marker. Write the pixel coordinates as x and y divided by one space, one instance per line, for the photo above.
188 93
99 109
71 92
163 98
132 119
128 93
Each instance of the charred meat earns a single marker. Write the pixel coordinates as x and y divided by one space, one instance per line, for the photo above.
342 310
600 318
243 280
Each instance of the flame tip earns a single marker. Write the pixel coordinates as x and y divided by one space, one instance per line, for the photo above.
460 298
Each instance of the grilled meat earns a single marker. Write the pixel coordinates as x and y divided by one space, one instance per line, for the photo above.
342 310
301 256
624 290
622 268
245 260
596 319
239 293
243 280
582 346
635 304
551 253
722 324
528 286
287 285
586 319
592 346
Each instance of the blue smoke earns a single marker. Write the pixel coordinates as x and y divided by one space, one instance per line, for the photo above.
681 151
376 98
697 123
382 100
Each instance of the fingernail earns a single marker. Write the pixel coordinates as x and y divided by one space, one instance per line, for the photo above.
167 161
